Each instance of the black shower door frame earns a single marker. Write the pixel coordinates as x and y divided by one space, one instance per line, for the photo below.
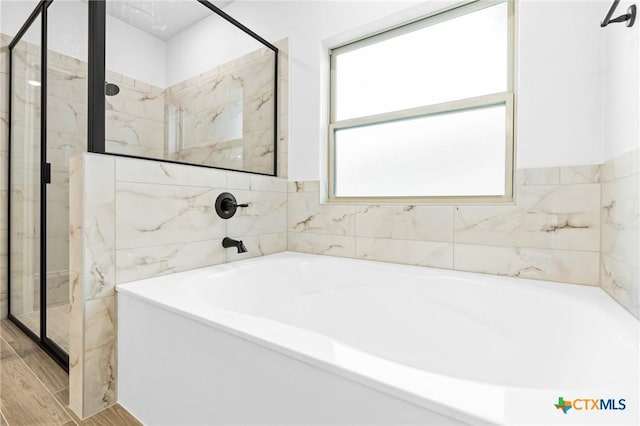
97 78
48 345
95 136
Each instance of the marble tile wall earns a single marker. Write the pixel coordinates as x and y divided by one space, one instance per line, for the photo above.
620 221
551 232
135 118
191 121
134 219
224 117
66 137
136 126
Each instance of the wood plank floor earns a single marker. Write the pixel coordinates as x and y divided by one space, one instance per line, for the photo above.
34 390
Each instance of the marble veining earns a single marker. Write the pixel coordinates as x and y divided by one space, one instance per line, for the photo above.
427 223
332 245
139 263
261 245
266 213
545 216
306 214
224 116
572 266
100 363
580 174
620 227
549 233
172 214
420 253
152 172
141 219
98 225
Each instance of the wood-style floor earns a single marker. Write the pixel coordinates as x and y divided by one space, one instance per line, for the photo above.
34 390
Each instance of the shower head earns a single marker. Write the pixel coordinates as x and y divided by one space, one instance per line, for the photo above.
111 89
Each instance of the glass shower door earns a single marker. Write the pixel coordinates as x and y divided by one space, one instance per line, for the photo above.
66 137
25 180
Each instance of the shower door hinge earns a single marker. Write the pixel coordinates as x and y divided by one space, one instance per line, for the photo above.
46 173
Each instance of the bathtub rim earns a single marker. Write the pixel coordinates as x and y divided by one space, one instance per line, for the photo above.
485 401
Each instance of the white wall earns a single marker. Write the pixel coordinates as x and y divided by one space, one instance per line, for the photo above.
577 83
560 75
134 53
14 14
204 46
129 51
307 24
621 88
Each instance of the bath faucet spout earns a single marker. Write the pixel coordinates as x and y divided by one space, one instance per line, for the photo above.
228 243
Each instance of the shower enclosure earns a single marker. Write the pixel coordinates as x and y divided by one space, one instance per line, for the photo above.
48 125
83 79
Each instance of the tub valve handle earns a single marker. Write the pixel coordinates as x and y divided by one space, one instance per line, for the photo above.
226 205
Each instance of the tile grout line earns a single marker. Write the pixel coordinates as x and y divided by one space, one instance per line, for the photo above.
39 381
114 253
446 242
614 179
355 232
601 233
453 238
137 182
81 280
197 241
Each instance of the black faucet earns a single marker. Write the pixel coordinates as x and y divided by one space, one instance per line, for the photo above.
228 242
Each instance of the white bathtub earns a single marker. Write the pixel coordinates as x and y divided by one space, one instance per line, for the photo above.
303 339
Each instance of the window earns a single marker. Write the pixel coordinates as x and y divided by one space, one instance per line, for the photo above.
424 111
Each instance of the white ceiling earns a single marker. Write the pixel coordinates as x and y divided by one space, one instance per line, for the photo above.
161 19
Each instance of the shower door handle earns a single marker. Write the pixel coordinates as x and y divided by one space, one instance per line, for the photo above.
46 173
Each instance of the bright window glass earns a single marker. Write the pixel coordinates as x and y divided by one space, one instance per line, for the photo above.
456 59
452 154
426 109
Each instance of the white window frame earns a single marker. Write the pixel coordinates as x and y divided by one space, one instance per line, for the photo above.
506 98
